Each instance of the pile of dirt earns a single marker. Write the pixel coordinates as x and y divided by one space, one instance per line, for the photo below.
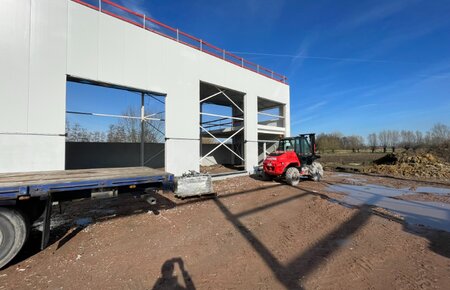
442 151
411 164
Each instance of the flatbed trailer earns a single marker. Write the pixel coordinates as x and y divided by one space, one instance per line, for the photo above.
24 197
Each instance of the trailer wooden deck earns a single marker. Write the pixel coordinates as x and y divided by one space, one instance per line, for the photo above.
76 175
34 184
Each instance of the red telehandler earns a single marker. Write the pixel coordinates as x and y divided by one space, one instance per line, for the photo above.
295 158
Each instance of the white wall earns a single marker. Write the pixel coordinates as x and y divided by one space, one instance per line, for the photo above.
33 56
68 38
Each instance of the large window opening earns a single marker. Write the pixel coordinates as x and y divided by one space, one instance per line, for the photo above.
222 129
111 126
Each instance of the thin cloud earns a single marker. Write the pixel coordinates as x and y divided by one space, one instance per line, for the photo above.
377 13
302 120
403 36
139 7
337 93
316 106
298 59
366 106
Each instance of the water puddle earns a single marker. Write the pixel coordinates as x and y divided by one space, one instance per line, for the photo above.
432 214
434 190
353 178
83 221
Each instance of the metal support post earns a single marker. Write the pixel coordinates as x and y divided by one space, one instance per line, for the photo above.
178 35
201 45
265 149
100 5
144 22
142 128
200 129
46 221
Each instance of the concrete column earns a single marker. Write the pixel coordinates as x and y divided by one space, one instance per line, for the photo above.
287 116
251 131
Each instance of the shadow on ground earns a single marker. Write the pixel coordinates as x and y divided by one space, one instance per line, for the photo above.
289 275
168 279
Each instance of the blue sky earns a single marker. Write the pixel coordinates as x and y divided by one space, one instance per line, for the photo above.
353 66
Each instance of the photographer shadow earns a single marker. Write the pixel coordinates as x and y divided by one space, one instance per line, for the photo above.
169 280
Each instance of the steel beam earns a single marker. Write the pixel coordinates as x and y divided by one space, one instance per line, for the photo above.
210 134
221 143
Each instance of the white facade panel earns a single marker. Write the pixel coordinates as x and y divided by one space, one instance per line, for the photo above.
82 45
22 153
48 55
14 65
135 56
111 50
183 155
181 120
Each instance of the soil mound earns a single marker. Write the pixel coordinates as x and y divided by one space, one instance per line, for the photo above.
411 164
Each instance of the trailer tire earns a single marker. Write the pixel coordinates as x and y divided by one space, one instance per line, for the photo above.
14 229
292 176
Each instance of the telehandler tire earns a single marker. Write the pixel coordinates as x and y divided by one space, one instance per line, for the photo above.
292 176
316 171
14 229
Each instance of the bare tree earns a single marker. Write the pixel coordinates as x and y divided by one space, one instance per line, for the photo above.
408 139
395 139
383 137
129 129
354 142
76 133
440 133
418 138
330 141
372 140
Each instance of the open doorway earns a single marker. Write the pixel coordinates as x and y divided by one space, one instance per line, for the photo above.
112 126
222 129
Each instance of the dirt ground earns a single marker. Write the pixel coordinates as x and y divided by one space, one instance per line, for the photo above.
220 168
254 235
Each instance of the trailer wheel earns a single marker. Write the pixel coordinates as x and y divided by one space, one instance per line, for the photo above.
14 230
292 176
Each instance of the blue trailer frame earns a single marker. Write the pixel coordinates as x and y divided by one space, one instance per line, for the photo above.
68 190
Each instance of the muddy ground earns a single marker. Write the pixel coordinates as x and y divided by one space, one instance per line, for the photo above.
254 235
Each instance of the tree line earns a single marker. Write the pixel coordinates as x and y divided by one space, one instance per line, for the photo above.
124 131
438 134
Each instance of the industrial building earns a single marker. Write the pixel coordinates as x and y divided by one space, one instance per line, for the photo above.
218 107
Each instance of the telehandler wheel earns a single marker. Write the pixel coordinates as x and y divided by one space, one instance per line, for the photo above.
292 176
14 228
316 171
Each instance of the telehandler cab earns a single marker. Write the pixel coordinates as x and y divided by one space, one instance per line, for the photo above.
294 158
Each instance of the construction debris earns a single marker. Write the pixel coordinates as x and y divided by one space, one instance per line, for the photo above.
193 184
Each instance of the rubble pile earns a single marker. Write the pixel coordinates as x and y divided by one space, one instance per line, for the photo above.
411 164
